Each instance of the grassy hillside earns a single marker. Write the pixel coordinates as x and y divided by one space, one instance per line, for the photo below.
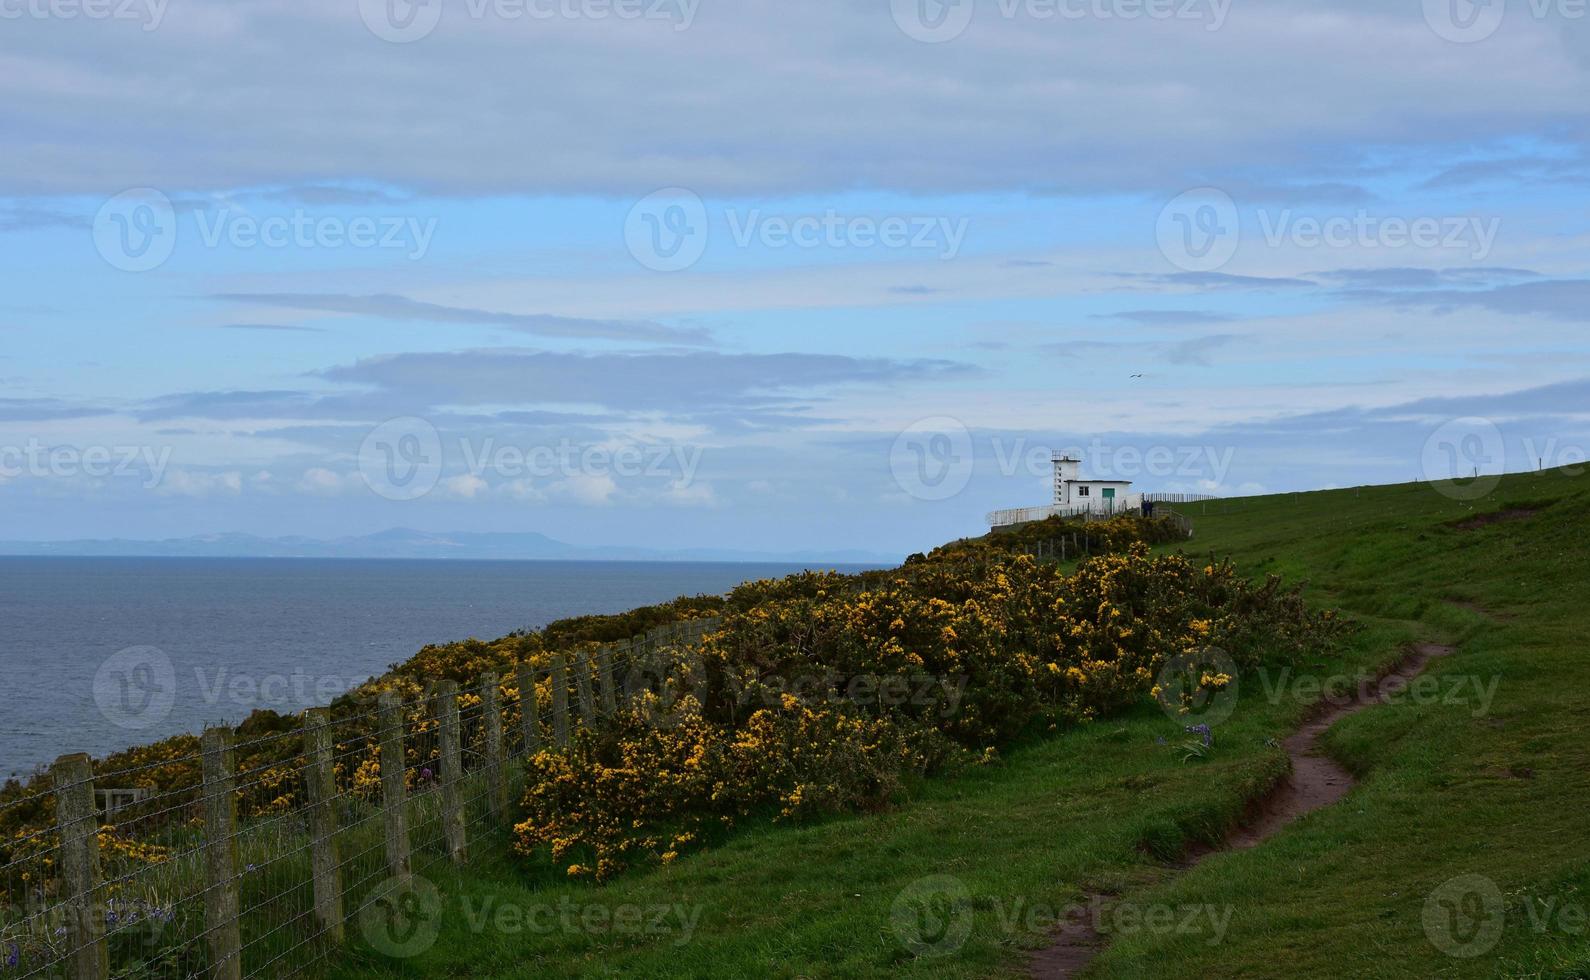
1482 773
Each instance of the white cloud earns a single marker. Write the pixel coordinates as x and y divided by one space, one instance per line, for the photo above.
320 481
192 483
585 488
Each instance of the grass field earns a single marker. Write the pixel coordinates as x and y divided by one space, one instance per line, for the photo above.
1480 771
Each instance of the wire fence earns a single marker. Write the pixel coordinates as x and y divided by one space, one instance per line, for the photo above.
250 857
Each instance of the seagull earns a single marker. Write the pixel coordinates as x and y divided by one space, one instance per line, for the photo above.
1137 375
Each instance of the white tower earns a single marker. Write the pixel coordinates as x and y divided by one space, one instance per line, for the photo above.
1065 468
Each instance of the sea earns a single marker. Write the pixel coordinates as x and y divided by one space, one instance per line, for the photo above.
100 654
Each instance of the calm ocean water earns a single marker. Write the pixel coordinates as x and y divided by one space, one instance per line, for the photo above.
102 653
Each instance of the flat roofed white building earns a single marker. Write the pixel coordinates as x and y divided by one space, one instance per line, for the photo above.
1073 492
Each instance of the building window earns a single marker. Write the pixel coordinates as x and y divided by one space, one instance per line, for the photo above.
1083 491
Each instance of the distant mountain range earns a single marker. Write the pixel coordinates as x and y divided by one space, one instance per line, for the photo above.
405 543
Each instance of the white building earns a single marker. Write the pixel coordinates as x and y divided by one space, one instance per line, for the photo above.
1076 497
1075 494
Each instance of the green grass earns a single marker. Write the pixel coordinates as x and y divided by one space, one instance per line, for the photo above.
1447 789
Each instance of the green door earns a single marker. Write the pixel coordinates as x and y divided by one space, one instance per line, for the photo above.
1109 498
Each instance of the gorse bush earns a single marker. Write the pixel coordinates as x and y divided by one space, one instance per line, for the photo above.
822 693
819 693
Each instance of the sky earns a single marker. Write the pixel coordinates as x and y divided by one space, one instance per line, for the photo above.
774 276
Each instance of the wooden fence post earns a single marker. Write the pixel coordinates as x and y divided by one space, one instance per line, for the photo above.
582 686
77 819
604 680
560 701
220 855
529 708
452 771
320 780
394 786
496 772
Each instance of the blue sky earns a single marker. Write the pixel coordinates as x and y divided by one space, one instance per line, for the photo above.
774 276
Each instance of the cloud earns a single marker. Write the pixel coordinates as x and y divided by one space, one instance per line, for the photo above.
1558 299
1510 170
197 483
586 489
391 307
46 410
1166 318
1197 350
690 382
276 327
1024 102
30 218
1411 278
1220 280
